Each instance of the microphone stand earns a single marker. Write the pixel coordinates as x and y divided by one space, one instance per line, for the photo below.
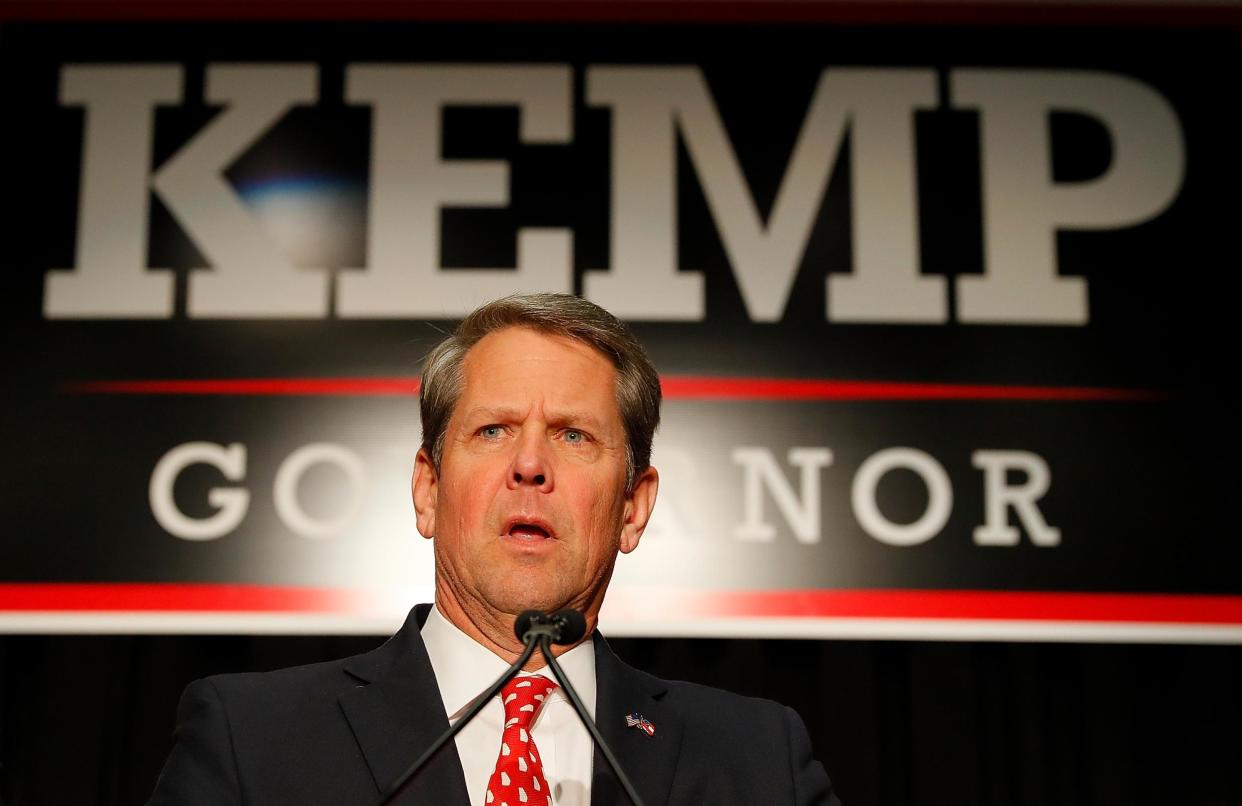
479 704
536 629
545 646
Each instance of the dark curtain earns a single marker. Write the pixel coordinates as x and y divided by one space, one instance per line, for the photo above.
88 719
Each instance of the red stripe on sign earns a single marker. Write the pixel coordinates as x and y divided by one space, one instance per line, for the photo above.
355 387
176 597
971 605
975 605
675 387
696 388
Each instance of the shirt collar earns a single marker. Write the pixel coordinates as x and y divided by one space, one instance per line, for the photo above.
464 667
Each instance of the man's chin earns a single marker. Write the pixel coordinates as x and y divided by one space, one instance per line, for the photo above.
514 602
517 593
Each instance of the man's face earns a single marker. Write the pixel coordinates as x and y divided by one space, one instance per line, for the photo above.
529 507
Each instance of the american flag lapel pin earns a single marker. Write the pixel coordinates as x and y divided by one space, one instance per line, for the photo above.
637 720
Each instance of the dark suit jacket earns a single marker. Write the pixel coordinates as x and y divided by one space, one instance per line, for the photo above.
335 733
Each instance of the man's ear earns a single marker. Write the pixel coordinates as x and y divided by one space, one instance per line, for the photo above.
638 505
425 485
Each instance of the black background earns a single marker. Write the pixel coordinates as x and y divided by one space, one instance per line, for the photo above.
1160 306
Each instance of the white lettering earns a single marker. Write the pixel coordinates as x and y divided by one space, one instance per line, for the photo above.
759 470
289 476
232 503
886 285
1023 209
411 183
649 105
250 274
111 278
939 496
644 282
998 497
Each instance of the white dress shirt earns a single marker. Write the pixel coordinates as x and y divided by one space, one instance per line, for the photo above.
464 668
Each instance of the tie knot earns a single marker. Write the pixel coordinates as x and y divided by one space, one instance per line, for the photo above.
523 697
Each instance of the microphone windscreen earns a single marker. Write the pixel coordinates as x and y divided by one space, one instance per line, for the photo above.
572 625
525 620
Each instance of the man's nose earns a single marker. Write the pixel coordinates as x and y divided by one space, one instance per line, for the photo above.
531 463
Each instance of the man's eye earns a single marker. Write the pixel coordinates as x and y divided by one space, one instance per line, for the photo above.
574 436
491 431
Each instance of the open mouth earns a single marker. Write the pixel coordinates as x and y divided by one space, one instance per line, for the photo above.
526 530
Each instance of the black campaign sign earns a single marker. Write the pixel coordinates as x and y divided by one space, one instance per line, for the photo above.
939 318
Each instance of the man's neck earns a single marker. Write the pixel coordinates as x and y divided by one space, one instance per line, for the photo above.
494 631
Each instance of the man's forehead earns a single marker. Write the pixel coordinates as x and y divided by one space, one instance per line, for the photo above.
560 416
508 354
512 369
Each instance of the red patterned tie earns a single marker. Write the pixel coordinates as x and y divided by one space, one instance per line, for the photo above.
518 777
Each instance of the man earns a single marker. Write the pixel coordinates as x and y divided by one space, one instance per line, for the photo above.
538 415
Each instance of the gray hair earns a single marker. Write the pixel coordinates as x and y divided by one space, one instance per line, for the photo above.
638 384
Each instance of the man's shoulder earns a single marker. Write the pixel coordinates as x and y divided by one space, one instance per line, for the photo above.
274 734
277 681
290 688
712 709
710 702
746 749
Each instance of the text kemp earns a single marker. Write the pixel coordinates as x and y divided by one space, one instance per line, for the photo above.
652 108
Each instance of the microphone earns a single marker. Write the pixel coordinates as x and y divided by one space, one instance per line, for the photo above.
562 627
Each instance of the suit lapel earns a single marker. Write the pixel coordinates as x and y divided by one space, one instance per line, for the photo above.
396 713
649 761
